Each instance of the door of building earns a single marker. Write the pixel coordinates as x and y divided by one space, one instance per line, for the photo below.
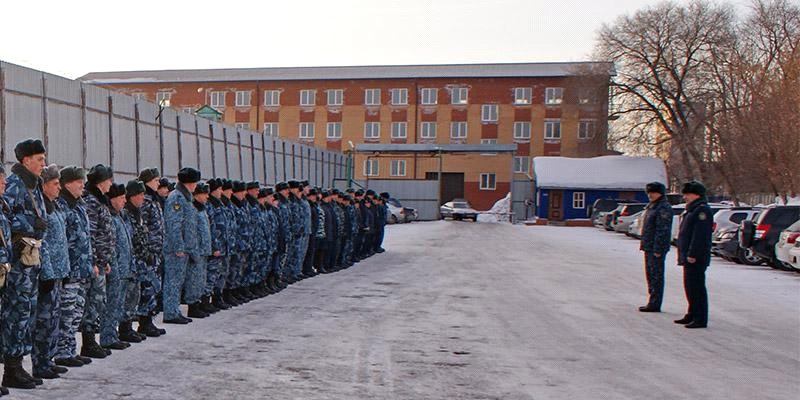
556 205
452 186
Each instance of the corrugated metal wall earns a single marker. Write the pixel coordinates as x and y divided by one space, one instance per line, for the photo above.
84 125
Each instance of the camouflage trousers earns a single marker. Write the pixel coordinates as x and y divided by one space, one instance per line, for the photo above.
302 249
214 268
222 274
72 303
235 271
150 288
257 266
45 334
174 278
117 293
347 253
94 293
19 310
195 282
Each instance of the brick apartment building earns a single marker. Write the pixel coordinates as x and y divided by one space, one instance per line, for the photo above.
543 108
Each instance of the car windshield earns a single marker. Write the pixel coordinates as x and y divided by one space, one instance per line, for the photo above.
395 202
460 205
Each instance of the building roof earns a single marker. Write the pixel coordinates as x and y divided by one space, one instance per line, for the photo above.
607 172
435 148
518 70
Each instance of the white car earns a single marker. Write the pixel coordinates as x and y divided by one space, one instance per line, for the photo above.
794 256
458 209
677 212
635 229
787 242
624 222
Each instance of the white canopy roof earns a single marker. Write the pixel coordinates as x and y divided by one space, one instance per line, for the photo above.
607 172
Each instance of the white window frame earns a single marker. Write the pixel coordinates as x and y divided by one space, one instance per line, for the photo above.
550 126
139 96
308 97
271 129
553 95
458 130
163 95
427 130
243 98
523 95
335 97
488 181
399 130
489 113
399 96
272 98
217 98
578 200
397 168
521 164
242 126
306 130
429 96
334 130
522 130
372 130
587 128
459 96
371 168
489 141
372 97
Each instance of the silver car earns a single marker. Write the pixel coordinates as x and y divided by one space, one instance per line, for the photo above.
458 209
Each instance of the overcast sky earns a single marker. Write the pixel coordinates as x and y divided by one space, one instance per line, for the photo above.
72 38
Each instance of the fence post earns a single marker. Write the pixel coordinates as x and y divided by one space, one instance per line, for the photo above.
137 137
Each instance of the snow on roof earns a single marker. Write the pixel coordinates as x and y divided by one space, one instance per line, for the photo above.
553 69
608 172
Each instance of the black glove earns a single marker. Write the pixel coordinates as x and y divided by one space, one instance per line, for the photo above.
40 224
46 286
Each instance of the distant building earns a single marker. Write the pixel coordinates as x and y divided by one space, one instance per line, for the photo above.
553 109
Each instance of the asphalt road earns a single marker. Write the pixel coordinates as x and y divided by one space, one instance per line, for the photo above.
459 310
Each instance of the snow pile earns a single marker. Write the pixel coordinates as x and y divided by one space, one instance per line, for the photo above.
607 172
790 201
498 212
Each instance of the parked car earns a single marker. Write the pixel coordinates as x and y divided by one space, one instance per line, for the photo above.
626 215
763 234
725 244
458 209
786 242
794 256
398 213
733 217
598 210
677 212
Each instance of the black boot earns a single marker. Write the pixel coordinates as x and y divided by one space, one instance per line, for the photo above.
46 375
126 333
14 376
90 347
195 311
206 306
219 302
69 362
229 298
3 391
146 327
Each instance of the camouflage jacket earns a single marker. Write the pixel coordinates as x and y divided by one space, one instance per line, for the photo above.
319 224
180 221
101 228
153 219
305 214
78 239
203 230
5 226
55 256
284 224
142 256
244 227
297 224
218 222
340 219
259 230
123 265
657 228
24 196
352 220
271 220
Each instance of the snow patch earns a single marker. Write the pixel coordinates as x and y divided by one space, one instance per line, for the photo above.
498 212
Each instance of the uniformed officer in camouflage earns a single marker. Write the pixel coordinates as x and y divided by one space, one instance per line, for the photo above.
226 277
79 247
28 225
655 242
119 278
298 228
258 239
134 194
180 242
307 223
219 247
278 241
55 267
151 264
383 214
195 284
6 249
287 230
270 231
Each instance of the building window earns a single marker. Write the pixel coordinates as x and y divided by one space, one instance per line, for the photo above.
458 130
579 200
552 129
488 182
459 96
272 98
523 95
488 141
371 168
489 113
430 96
271 129
242 98
372 130
308 97
398 168
242 126
217 99
306 130
586 129
334 130
335 97
522 130
427 130
372 97
139 96
521 165
163 97
553 95
587 96
399 97
399 130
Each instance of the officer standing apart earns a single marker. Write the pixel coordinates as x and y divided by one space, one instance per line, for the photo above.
180 243
656 235
694 253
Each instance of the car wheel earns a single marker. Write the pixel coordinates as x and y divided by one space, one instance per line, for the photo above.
746 257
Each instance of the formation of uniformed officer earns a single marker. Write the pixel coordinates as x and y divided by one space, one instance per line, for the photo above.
655 242
81 253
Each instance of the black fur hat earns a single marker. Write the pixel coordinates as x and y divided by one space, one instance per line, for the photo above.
188 175
134 187
116 190
50 173
281 186
148 174
694 187
202 188
293 184
99 173
214 184
227 184
27 148
253 185
239 186
656 187
71 174
163 183
385 195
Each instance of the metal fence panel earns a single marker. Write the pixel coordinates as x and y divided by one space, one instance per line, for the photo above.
97 139
21 79
189 151
64 134
171 159
422 195
124 145
234 172
123 106
149 155
24 120
220 168
206 161
63 90
96 98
